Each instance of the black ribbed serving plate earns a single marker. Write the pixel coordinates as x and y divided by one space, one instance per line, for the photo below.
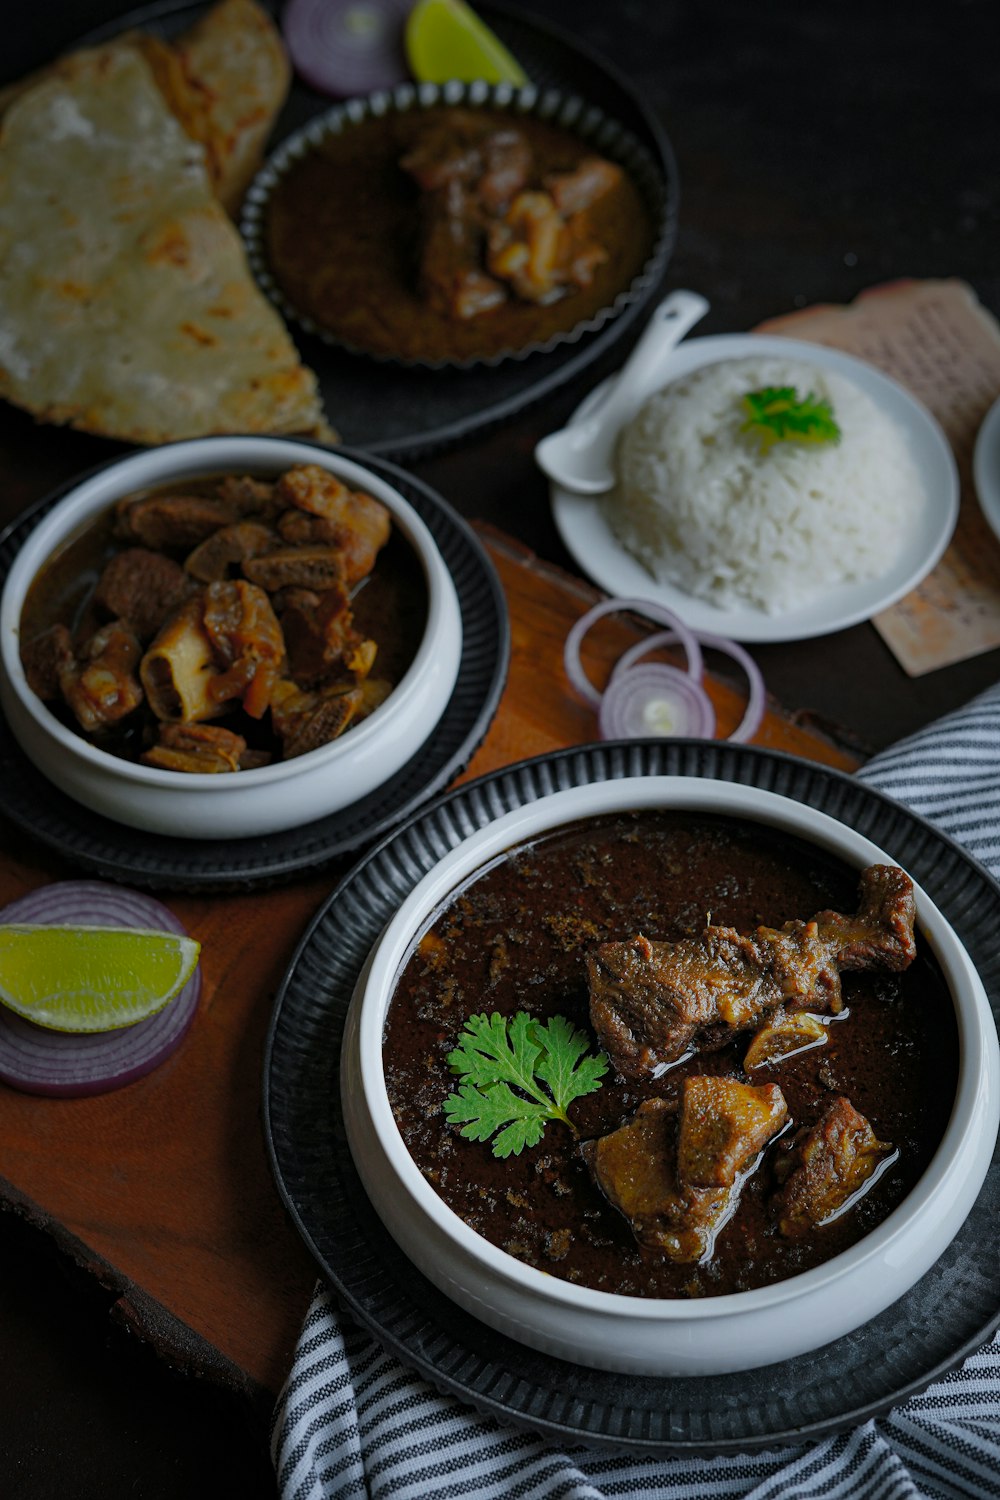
402 413
949 1313
156 861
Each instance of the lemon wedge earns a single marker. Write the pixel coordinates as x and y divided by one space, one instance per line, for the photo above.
87 979
445 40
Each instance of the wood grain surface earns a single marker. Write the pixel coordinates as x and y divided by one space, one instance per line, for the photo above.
163 1189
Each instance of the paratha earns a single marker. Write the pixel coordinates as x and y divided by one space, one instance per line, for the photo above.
127 307
225 79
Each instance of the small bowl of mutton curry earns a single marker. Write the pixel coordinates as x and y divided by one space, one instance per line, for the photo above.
227 637
458 226
671 1076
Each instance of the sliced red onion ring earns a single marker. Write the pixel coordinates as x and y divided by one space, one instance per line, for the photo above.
63 1064
655 699
639 702
757 698
347 48
656 612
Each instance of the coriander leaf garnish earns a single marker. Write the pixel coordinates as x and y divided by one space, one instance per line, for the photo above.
546 1064
777 414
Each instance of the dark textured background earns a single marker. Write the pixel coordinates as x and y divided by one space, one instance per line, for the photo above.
822 148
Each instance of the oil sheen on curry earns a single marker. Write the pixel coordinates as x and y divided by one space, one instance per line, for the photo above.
227 623
449 234
781 1049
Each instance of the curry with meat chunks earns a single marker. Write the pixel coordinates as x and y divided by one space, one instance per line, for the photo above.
781 1051
449 234
227 623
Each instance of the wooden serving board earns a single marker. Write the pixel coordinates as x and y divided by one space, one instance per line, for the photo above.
163 1188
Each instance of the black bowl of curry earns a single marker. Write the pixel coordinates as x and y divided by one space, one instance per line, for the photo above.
458 225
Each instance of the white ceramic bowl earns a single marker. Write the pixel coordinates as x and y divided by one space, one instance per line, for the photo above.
714 1335
271 798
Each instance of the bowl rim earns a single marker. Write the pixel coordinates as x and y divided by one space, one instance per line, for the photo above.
99 490
567 110
979 1054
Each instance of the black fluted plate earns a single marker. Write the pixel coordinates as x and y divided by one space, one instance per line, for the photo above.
952 1310
402 413
158 862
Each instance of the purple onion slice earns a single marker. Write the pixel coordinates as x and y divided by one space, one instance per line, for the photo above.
72 1065
347 48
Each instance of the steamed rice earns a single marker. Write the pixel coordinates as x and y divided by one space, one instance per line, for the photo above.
702 506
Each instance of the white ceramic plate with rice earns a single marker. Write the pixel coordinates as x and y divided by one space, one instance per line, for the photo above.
930 515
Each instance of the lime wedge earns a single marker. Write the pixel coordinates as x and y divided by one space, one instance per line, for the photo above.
91 978
445 39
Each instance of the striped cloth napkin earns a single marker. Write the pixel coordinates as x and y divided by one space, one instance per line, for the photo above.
352 1421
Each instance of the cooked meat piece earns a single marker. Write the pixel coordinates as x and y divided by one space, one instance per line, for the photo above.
45 658
635 1168
304 721
827 1166
224 552
724 1125
316 568
527 248
487 224
320 638
353 522
493 164
447 151
197 749
507 162
583 254
880 934
650 1002
250 497
173 521
143 588
783 1036
590 179
641 1017
473 293
315 490
451 276
101 687
180 665
247 643
677 1178
541 254
224 643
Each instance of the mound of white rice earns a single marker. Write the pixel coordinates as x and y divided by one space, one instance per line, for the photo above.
701 505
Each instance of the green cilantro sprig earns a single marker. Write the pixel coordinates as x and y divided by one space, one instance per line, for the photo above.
545 1064
777 414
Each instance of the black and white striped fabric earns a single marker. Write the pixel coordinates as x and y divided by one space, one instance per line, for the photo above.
352 1421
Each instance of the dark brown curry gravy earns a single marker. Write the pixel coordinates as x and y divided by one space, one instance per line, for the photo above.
515 938
341 231
391 607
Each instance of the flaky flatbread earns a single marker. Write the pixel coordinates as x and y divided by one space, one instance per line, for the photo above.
225 79
126 304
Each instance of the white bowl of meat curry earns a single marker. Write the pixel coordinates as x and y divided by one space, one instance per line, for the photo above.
799 1098
227 637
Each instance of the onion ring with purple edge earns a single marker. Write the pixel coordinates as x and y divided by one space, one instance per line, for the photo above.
347 48
756 700
655 612
62 1064
654 700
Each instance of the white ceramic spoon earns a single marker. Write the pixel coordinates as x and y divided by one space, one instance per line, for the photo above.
580 457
